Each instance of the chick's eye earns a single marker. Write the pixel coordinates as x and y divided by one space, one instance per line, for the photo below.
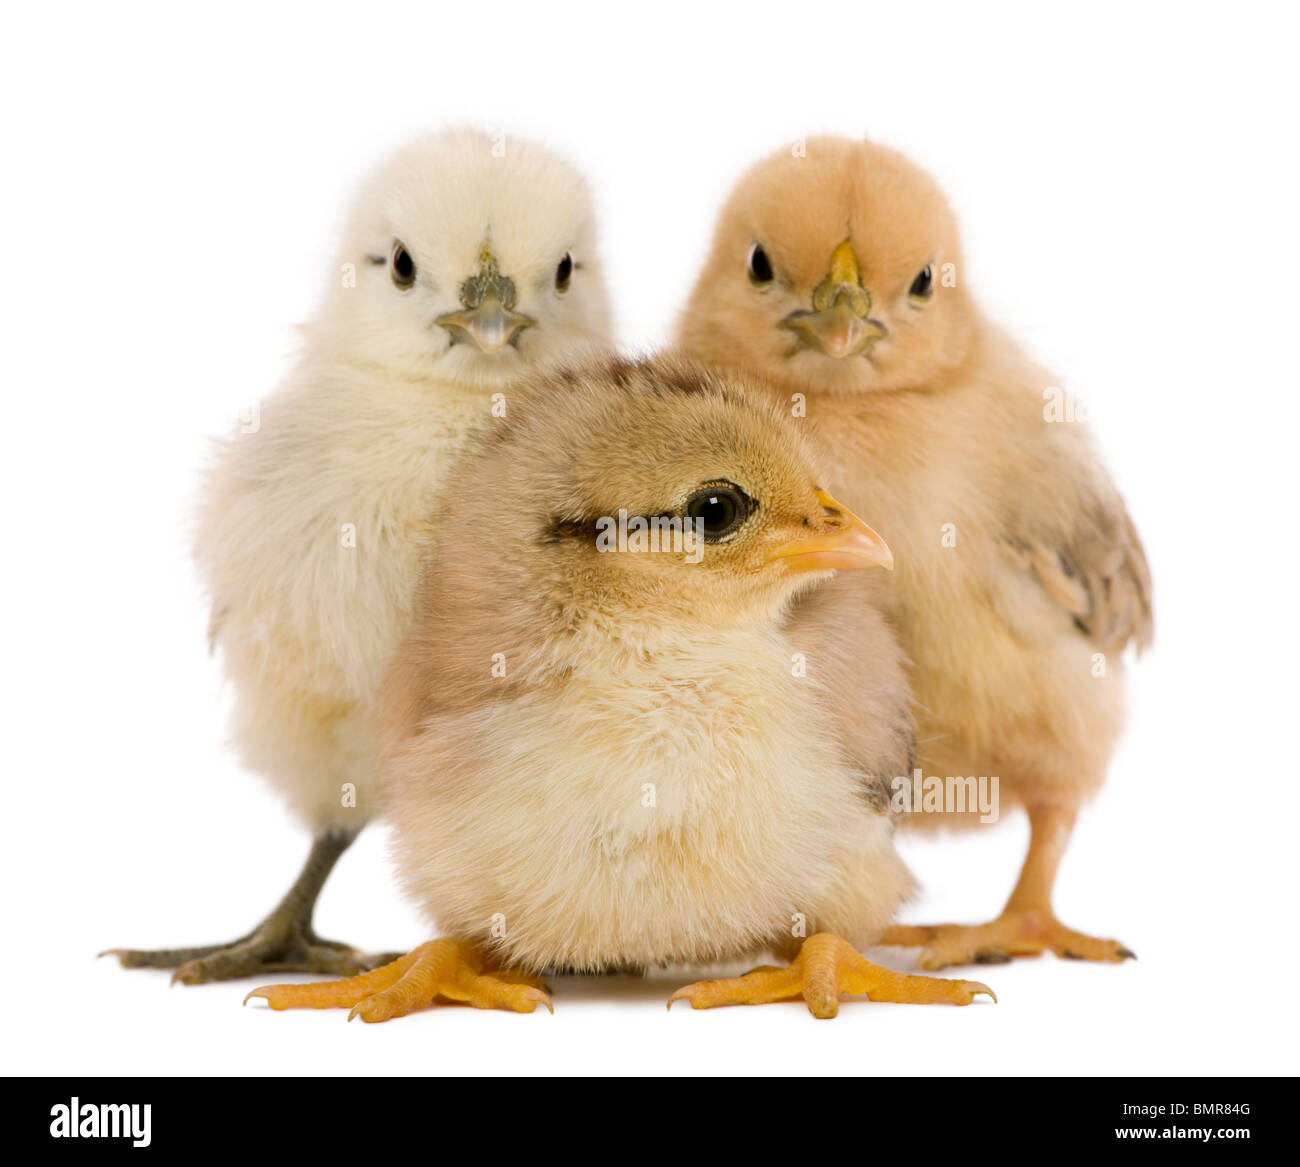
760 267
564 273
923 285
403 266
721 509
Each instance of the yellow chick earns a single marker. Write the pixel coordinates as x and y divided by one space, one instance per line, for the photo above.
838 277
466 262
597 752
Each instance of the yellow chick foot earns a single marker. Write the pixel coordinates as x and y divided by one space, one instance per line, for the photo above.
440 969
1017 932
827 968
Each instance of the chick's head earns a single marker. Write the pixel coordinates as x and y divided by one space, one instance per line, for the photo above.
834 272
470 258
664 493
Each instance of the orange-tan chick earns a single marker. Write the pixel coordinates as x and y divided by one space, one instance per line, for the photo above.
838 277
599 750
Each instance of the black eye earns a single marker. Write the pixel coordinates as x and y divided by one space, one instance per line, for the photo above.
760 267
923 285
403 265
722 508
564 273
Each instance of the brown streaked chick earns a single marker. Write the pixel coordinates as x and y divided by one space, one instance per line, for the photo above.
597 749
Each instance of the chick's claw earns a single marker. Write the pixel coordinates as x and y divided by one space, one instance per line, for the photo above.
1017 932
441 969
827 968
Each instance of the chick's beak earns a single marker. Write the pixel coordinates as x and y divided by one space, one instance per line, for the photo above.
839 539
490 324
840 323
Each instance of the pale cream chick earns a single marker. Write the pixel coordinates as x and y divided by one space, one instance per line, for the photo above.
839 278
602 755
462 267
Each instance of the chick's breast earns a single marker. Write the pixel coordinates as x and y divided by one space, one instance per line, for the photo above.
636 821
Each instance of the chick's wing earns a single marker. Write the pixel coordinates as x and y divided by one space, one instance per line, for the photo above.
1073 535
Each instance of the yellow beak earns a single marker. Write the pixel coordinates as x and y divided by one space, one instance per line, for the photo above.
844 265
839 540
840 323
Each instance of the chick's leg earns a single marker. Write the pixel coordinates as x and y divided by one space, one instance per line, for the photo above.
827 968
446 969
1027 925
283 942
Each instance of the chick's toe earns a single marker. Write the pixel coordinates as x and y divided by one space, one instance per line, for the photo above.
283 942
441 969
1017 932
827 968
268 949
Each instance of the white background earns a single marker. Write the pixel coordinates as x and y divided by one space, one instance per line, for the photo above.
172 184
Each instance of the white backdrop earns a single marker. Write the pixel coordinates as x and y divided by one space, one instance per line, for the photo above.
173 180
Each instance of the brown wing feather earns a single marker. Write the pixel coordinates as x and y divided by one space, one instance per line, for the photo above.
1099 574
